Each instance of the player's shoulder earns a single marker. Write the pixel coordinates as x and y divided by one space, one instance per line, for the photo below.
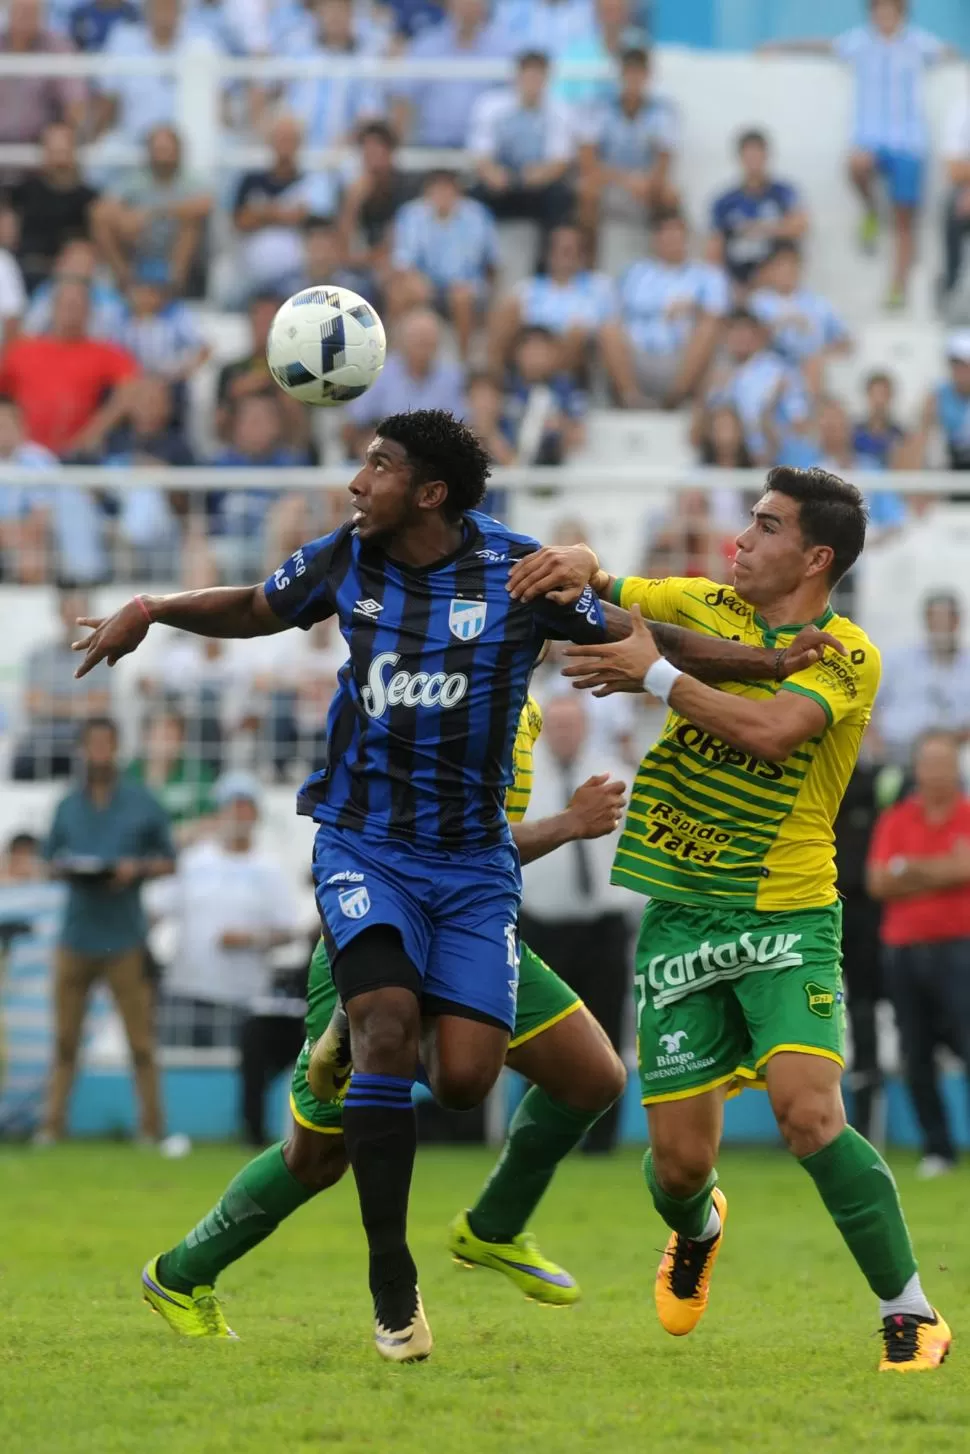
495 543
859 671
710 597
854 639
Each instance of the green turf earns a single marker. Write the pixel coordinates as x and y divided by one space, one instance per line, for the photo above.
783 1362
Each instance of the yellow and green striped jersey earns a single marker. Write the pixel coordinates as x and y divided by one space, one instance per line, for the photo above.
526 736
709 824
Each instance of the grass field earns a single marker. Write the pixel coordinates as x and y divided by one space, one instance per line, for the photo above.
783 1361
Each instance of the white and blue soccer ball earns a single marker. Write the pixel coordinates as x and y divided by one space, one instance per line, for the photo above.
326 346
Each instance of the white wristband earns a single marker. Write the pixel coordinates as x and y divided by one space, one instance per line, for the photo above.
659 679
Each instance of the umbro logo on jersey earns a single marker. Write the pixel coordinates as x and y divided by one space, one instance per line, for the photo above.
369 608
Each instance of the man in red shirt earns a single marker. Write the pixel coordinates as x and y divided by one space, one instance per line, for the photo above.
919 868
63 379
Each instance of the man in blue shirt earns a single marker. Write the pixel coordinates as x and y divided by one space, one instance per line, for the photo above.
436 113
747 220
108 836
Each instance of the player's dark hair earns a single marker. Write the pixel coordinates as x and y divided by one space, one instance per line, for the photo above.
441 447
830 512
752 137
532 58
99 724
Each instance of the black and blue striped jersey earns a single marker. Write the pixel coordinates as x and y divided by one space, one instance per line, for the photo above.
421 728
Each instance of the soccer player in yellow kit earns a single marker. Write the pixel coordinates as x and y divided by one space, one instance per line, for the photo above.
730 835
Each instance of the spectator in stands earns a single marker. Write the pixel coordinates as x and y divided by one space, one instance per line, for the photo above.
174 774
523 144
436 113
55 702
890 139
485 405
414 377
627 149
134 105
13 297
156 214
231 904
77 262
108 838
28 104
926 684
444 252
238 518
297 680
956 222
947 409
877 436
160 331
52 205
549 25
919 869
767 393
658 348
749 219
331 108
411 18
24 512
147 433
270 209
719 438
21 862
371 202
567 298
544 409
803 326
613 35
65 381
690 539
325 258
249 374
92 21
147 517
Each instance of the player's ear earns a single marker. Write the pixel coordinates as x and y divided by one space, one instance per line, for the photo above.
432 495
821 560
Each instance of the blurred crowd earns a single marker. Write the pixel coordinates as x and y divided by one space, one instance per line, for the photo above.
109 272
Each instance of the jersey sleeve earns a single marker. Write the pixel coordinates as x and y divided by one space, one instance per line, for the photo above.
302 590
842 685
660 600
582 622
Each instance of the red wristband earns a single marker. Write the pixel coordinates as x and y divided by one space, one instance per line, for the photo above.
148 615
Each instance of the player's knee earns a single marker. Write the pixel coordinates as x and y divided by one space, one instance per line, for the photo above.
317 1161
682 1168
383 1043
463 1088
600 1085
808 1119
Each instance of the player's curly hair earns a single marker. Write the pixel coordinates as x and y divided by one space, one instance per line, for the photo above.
441 447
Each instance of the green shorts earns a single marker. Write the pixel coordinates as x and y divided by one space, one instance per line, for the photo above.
543 1000
719 992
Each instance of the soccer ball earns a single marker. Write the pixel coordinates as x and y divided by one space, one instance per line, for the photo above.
326 345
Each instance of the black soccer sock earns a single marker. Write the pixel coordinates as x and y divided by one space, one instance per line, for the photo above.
380 1134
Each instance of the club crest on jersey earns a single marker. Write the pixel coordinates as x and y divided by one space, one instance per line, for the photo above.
466 619
354 903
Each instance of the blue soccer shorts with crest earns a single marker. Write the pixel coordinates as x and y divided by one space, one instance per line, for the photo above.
456 912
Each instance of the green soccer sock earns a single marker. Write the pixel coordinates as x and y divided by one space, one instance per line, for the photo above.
254 1203
687 1216
541 1133
860 1195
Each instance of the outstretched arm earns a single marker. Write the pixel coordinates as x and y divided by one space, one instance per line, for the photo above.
223 611
718 658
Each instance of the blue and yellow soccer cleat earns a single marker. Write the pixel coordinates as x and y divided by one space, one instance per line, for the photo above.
520 1260
911 1344
192 1315
684 1276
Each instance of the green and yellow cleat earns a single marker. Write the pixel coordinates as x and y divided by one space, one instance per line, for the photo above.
520 1260
192 1315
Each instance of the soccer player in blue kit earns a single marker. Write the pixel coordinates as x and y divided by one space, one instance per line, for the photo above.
417 878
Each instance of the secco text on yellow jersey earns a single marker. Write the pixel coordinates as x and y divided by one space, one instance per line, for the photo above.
526 736
710 824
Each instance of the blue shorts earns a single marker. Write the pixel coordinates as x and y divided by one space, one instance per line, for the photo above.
456 912
903 174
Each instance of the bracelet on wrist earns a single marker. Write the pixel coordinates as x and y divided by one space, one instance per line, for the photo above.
143 606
